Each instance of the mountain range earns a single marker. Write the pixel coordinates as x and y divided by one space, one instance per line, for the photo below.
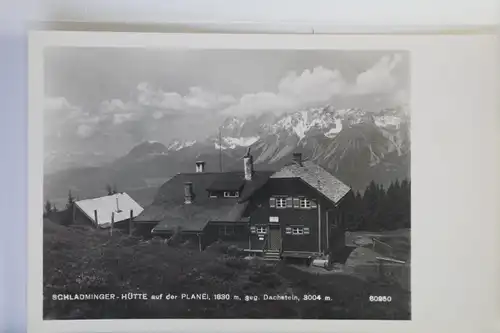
355 145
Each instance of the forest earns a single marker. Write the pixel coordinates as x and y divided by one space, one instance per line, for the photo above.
379 208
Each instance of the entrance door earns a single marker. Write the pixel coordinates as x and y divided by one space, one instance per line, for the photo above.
274 238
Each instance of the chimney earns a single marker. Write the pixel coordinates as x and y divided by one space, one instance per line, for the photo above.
200 166
118 206
248 165
297 158
188 193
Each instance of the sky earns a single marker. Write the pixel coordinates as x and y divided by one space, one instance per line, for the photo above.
112 98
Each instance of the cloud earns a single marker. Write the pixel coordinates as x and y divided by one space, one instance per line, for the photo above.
158 115
86 125
85 131
196 100
119 112
294 91
318 86
376 86
120 118
60 107
258 103
88 119
379 78
401 97
115 105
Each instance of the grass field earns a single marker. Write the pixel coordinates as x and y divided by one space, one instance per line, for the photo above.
83 260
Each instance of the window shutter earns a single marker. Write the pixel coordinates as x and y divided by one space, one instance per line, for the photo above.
289 202
272 202
306 231
288 230
313 204
296 202
253 229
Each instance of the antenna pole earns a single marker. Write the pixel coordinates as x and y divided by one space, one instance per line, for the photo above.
220 149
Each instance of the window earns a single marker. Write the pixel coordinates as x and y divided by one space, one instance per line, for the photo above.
305 203
297 230
280 202
261 230
226 230
231 194
213 195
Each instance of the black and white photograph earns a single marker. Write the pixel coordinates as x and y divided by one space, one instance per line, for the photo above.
226 183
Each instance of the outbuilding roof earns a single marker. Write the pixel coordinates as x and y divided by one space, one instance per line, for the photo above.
119 204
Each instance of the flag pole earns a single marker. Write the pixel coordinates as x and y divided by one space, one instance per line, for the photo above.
220 149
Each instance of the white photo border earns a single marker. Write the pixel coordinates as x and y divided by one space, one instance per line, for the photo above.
453 78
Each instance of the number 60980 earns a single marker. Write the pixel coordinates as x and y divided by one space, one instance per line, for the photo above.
383 299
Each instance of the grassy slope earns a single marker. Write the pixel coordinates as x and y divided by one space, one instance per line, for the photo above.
82 260
399 240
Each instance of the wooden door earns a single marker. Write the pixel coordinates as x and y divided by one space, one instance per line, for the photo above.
274 239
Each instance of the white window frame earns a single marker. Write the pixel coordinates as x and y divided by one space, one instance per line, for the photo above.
298 231
305 203
280 202
261 230
231 194
213 195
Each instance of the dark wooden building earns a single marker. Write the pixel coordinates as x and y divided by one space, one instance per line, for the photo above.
202 207
297 212
294 212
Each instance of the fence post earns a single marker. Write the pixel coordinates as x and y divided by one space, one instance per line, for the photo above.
112 223
130 223
381 269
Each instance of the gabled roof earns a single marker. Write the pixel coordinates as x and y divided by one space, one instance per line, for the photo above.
228 181
195 217
120 204
316 177
259 179
170 211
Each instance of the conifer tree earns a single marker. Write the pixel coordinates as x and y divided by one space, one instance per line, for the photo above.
48 208
68 215
109 189
71 200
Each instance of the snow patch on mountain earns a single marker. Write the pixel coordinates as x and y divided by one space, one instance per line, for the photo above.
300 123
334 130
233 123
178 145
388 121
232 143
242 142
